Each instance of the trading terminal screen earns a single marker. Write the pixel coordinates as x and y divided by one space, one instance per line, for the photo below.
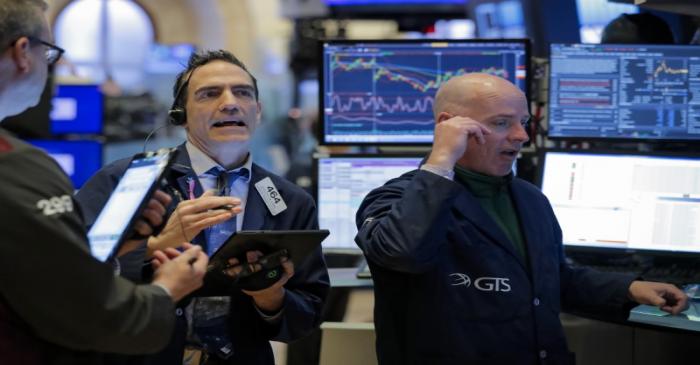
620 201
645 92
78 159
77 109
343 182
381 92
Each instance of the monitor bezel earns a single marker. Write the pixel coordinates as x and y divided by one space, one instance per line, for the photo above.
600 138
314 187
614 250
321 136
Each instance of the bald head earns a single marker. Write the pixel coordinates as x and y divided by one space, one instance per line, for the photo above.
461 93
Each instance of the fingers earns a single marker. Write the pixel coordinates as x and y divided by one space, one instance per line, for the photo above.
478 131
200 262
154 213
288 267
199 221
667 297
252 266
192 257
675 301
206 202
143 228
253 256
163 198
159 258
155 210
129 246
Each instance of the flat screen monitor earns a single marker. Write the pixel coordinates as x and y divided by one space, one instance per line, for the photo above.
377 8
76 109
381 92
168 58
630 92
79 159
625 201
343 181
392 2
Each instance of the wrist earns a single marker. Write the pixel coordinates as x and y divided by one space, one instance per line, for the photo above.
272 302
152 244
447 173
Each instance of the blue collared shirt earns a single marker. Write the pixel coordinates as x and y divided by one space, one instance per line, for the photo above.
201 163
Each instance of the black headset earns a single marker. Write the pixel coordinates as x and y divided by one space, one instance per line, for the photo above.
177 114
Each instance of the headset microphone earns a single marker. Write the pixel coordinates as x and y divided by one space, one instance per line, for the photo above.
148 137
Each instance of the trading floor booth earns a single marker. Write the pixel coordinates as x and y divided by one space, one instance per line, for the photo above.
618 172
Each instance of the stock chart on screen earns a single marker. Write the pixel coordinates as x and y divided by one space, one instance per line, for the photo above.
625 91
381 92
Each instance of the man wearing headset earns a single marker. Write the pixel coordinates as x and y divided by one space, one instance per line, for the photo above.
216 100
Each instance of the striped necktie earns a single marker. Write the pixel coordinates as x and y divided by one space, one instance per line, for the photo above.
218 234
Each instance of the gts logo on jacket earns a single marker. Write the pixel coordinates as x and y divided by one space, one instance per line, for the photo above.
486 283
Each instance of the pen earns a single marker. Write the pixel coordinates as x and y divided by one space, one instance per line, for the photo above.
225 207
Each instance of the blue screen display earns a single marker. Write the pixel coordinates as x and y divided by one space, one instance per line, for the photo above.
624 91
79 159
76 109
393 2
381 92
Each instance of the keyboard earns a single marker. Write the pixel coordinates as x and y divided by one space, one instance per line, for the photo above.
678 274
678 271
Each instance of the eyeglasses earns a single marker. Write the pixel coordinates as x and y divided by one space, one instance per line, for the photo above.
53 52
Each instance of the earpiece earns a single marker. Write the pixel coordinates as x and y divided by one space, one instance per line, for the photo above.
177 115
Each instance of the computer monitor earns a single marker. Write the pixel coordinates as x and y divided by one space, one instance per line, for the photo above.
168 58
76 109
625 201
499 18
79 159
630 92
381 92
342 182
397 8
392 2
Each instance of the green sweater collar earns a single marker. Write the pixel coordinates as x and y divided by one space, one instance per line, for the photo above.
482 185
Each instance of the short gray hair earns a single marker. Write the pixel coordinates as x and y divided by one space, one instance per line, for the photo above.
20 18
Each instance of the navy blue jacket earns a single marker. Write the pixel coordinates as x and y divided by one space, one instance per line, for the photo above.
306 290
450 288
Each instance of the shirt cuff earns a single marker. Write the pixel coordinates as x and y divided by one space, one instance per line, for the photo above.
437 170
166 290
271 319
116 266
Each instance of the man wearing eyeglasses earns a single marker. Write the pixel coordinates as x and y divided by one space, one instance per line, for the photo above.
58 305
467 259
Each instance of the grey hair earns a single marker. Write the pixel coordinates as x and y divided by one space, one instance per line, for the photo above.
20 18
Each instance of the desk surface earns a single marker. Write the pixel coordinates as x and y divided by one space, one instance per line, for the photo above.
346 277
688 320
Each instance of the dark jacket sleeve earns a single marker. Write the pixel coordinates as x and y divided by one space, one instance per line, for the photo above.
402 225
49 279
94 194
308 288
587 290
